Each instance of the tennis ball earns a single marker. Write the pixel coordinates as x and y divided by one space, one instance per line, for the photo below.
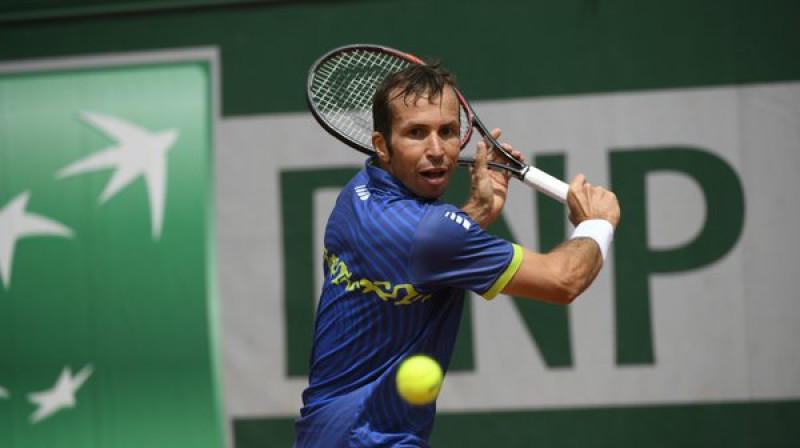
419 379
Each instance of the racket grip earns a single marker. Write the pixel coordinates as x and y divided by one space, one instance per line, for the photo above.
547 184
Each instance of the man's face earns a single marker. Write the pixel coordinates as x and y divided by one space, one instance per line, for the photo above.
425 142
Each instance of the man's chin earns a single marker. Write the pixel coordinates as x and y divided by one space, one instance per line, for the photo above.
433 190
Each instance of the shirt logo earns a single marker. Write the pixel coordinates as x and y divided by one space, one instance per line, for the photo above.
458 219
399 294
362 192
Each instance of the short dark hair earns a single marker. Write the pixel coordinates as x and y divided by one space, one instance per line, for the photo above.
413 81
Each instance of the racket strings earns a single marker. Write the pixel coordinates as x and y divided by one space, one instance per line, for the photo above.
342 89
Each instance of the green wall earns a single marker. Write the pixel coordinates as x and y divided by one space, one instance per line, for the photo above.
503 48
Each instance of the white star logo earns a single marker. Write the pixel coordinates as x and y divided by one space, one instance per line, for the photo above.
3 392
61 395
16 224
137 152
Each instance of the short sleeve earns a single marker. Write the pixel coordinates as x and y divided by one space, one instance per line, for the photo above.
451 250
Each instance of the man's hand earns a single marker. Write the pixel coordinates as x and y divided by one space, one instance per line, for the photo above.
588 202
488 188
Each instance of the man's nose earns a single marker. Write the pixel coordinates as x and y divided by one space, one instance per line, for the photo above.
435 146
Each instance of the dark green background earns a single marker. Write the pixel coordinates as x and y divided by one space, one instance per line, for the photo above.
499 49
502 48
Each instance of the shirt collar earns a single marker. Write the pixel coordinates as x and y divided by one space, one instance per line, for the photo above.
383 181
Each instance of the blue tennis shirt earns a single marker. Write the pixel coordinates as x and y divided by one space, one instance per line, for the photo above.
396 269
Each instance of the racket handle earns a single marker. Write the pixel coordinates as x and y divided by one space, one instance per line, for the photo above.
547 184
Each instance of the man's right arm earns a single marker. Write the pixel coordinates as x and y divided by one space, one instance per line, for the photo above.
562 274
558 276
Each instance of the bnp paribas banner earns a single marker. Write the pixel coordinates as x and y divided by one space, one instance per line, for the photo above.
107 292
689 336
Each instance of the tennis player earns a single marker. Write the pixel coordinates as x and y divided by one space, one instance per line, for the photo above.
398 261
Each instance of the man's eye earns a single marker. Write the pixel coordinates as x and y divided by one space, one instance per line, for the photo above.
415 132
448 132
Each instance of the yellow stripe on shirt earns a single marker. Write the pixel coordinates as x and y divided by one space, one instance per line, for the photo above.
505 277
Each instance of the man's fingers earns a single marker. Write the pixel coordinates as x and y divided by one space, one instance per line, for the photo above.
498 156
577 181
495 133
514 153
481 155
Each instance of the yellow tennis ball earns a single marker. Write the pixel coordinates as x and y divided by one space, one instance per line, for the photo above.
419 379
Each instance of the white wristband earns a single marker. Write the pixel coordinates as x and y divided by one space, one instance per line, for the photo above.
599 230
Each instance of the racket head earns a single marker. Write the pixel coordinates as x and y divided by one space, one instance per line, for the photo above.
342 83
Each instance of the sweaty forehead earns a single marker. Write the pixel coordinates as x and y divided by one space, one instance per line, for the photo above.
446 100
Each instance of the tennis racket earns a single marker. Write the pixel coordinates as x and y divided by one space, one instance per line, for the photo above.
340 88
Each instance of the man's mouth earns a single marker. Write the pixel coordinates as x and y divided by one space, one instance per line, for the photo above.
434 173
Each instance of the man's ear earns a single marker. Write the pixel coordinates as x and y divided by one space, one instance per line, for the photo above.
381 147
